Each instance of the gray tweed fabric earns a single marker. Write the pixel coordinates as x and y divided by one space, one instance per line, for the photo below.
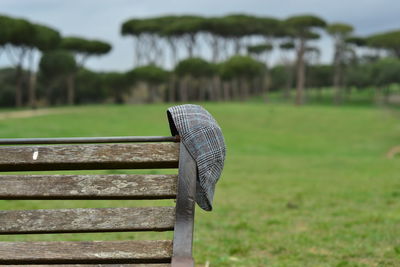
202 136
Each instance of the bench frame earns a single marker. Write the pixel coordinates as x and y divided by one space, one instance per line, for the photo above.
186 188
185 209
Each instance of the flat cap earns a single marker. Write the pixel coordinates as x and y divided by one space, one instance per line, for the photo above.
203 138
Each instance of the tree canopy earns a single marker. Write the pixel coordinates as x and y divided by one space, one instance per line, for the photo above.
85 46
57 62
340 29
356 40
45 38
151 74
302 25
259 48
388 40
20 32
241 66
210 58
196 67
5 29
287 46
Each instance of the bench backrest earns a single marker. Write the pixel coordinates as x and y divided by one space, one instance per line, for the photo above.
32 156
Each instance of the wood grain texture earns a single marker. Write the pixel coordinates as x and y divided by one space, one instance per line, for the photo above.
87 220
88 140
89 157
113 252
97 265
88 186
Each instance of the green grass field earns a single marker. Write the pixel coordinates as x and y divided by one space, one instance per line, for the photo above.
302 186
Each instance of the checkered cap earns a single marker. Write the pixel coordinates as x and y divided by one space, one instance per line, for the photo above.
203 138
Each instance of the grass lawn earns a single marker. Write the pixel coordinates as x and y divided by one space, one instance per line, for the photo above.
306 186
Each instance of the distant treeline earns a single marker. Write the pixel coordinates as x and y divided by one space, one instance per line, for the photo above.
213 58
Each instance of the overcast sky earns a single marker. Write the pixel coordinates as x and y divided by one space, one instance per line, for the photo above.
102 18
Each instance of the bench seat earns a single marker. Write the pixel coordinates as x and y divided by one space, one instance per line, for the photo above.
34 155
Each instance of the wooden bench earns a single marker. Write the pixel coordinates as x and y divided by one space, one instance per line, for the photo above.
28 155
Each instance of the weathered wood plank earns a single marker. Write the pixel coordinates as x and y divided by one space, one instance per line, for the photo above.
88 157
97 265
87 220
67 252
88 186
88 140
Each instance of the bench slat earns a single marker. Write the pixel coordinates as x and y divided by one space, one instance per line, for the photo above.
87 220
99 265
89 157
119 186
68 252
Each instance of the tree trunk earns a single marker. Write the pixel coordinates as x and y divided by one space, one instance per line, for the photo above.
216 88
152 90
346 93
190 43
119 98
32 90
183 89
224 49
215 49
174 52
337 75
300 81
289 82
192 88
386 95
337 100
266 82
237 45
287 92
226 86
241 89
235 89
154 54
137 45
172 89
31 79
379 100
18 86
202 89
50 91
319 93
71 89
